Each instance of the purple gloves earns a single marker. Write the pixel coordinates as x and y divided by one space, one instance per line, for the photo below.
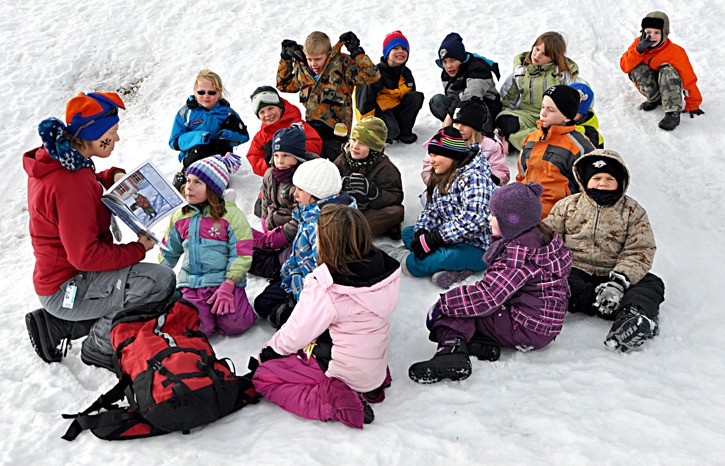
223 300
272 240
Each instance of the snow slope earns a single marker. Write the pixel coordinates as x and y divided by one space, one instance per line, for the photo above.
571 403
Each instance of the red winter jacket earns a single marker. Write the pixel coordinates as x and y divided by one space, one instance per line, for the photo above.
290 115
69 225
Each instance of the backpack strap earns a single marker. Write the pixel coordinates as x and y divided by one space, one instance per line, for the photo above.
81 420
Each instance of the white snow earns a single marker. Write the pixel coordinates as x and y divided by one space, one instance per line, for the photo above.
574 402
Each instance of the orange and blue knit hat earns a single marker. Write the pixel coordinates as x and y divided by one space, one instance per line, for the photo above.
214 171
448 142
89 116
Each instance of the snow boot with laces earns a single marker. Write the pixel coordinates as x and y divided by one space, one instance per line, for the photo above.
450 362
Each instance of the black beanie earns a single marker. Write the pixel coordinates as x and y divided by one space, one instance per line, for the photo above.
566 99
472 113
601 164
265 96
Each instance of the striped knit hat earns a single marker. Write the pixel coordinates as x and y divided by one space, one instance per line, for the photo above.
392 40
448 142
214 171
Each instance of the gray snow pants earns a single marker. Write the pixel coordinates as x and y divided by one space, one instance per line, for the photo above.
102 295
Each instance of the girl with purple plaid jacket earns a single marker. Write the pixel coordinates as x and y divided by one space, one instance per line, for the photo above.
519 303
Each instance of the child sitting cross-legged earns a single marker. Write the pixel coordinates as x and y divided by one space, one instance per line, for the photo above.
216 242
613 247
519 303
372 179
329 361
452 232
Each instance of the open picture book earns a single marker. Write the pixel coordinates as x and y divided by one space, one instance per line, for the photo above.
143 198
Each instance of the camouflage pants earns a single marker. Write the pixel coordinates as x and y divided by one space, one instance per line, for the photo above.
664 83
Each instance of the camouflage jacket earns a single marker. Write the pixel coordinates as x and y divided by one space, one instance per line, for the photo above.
602 239
329 99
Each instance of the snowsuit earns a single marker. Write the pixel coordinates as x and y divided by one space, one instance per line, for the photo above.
522 93
195 126
521 300
493 151
386 210
665 72
328 97
73 247
302 260
393 98
588 125
602 239
272 245
461 217
547 157
474 78
260 149
213 251
353 312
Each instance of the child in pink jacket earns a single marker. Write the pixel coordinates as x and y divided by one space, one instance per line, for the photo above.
330 359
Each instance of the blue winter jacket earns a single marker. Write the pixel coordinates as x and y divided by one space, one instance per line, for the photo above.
213 250
195 125
303 258
461 216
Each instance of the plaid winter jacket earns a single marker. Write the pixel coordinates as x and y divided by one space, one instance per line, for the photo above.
528 282
303 258
329 98
602 239
461 216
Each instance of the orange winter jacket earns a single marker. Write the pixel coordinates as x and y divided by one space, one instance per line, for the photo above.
668 53
549 158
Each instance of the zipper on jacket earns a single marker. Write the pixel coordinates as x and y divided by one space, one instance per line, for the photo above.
596 223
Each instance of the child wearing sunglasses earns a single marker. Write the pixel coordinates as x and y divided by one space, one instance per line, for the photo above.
206 125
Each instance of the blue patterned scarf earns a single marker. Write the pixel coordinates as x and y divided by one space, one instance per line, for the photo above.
52 133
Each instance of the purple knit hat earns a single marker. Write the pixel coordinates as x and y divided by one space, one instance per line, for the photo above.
214 171
517 208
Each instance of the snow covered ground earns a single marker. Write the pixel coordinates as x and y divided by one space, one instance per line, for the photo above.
571 403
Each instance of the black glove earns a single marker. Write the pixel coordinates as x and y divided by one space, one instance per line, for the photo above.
268 154
425 242
352 43
356 183
234 123
287 44
291 50
644 43
695 112
268 353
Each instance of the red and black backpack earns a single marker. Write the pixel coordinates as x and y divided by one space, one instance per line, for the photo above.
169 375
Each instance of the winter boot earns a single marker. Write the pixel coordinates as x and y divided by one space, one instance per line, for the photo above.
446 278
399 253
92 355
394 233
649 105
670 121
484 348
631 329
409 138
450 362
369 415
45 345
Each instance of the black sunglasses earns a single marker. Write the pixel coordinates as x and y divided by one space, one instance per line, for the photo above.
202 92
111 112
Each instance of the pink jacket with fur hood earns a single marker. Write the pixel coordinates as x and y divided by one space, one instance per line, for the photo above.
358 321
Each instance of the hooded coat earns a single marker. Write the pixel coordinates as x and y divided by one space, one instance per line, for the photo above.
257 153
602 239
668 53
69 225
356 312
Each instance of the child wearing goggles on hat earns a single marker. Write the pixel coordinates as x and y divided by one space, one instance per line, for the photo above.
206 125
